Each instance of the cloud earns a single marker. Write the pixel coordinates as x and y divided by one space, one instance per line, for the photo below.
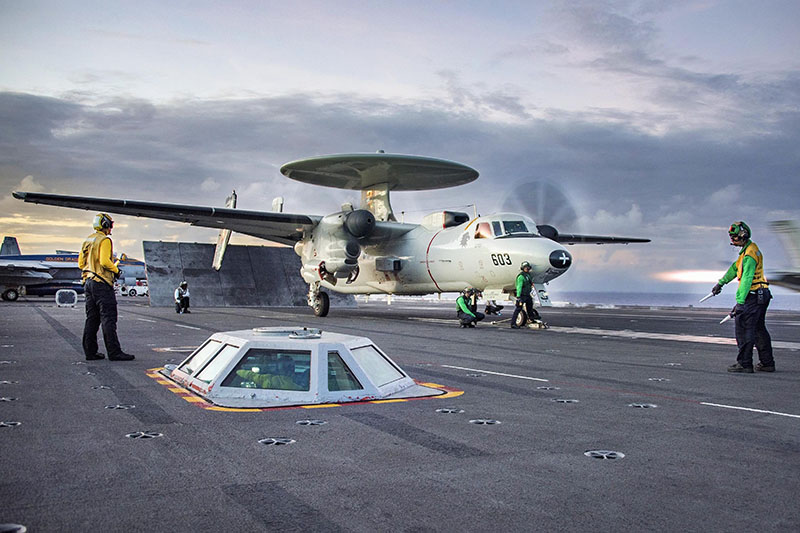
673 187
209 185
728 195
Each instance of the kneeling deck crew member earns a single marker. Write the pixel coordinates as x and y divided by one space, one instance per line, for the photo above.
182 298
466 308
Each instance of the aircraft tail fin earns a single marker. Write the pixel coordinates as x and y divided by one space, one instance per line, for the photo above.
789 233
10 246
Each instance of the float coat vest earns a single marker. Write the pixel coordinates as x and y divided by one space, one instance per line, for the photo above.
91 261
759 280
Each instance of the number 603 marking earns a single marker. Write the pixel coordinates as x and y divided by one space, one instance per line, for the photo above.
501 259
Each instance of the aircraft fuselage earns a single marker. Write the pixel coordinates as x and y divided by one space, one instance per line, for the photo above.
429 260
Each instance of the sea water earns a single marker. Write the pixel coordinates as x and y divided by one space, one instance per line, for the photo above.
787 301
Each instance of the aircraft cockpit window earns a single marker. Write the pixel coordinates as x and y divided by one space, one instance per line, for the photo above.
262 368
340 377
514 226
200 357
377 367
483 231
498 229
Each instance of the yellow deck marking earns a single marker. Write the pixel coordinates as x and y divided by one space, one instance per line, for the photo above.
191 397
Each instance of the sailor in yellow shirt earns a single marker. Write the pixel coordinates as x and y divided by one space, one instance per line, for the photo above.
99 273
752 300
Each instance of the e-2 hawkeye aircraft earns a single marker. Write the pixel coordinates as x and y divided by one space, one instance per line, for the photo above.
366 250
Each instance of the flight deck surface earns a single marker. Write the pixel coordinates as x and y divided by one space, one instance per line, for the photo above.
703 449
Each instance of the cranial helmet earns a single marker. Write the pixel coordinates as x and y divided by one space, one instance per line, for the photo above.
739 231
467 291
102 221
184 284
524 265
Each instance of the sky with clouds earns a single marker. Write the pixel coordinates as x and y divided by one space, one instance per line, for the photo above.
666 120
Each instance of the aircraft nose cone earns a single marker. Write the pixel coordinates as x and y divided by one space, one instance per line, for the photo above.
560 259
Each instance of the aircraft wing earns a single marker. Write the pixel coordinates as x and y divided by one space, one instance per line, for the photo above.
285 228
21 272
571 238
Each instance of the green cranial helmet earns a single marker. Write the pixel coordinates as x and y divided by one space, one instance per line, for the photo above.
524 265
739 231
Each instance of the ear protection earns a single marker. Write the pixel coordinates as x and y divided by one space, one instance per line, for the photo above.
739 230
102 221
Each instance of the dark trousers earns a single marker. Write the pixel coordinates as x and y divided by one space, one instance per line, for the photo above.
751 330
468 319
182 305
101 309
526 301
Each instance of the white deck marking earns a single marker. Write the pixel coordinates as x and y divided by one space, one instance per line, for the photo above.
187 327
145 320
749 409
495 373
626 333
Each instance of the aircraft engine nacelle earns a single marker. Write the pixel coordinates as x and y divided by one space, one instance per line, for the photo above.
334 248
340 257
359 223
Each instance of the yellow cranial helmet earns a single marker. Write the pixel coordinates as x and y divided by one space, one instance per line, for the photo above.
102 221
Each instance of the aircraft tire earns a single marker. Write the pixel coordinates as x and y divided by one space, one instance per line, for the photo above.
132 292
322 305
11 295
522 318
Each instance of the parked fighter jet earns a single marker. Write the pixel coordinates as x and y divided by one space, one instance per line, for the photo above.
44 274
790 235
365 250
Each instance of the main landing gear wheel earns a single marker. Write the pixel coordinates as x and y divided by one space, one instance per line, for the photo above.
132 292
322 304
11 295
522 319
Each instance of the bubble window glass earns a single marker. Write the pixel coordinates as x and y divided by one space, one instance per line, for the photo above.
262 368
200 357
340 377
217 363
376 366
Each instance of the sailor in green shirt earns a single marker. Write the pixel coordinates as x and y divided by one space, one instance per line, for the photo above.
752 300
466 308
523 286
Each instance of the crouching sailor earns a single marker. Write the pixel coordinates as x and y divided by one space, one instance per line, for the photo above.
182 298
466 308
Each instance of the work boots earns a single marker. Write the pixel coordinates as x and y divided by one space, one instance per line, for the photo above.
739 368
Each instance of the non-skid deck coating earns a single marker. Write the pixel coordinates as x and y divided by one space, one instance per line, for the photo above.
703 449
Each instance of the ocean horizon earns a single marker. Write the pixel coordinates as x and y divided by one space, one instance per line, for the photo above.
781 301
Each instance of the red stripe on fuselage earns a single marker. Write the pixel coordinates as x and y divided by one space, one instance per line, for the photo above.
427 263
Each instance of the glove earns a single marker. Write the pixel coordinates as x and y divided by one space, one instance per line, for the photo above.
738 309
717 289
519 302
117 275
